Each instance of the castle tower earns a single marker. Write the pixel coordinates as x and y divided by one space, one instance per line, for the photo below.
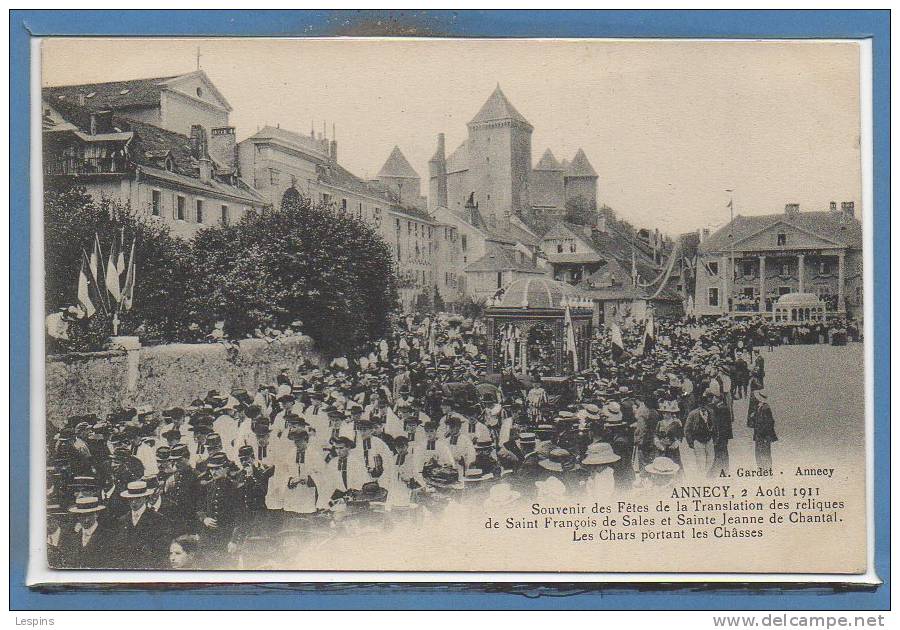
499 148
547 184
437 176
581 179
401 178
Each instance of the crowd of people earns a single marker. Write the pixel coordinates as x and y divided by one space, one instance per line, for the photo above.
410 427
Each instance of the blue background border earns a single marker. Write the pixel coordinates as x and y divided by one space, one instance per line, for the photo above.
756 24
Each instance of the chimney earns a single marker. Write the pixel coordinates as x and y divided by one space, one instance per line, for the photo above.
601 224
833 206
704 234
223 149
205 169
848 208
198 141
791 208
101 122
332 151
437 176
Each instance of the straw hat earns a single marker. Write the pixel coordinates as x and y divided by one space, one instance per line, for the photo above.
550 488
86 505
599 454
662 466
501 495
136 490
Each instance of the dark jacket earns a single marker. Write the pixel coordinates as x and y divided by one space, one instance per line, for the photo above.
145 545
764 424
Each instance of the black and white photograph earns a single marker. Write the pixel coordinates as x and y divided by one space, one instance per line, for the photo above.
456 305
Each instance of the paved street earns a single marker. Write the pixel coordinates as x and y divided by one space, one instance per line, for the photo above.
817 395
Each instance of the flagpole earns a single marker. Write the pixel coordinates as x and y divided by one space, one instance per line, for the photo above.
730 243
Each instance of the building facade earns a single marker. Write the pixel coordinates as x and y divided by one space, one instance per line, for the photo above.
493 169
186 180
744 267
276 159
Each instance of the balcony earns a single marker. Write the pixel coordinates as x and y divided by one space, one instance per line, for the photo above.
67 165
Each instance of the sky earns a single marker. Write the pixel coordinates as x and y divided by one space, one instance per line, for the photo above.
669 126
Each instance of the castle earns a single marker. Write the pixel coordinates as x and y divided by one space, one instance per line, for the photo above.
493 169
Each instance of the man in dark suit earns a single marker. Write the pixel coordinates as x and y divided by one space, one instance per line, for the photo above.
87 545
218 505
143 535
180 491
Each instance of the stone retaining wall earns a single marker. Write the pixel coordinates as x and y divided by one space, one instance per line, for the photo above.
164 376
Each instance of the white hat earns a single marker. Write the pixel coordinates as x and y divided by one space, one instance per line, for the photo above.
662 466
136 490
500 495
600 453
550 488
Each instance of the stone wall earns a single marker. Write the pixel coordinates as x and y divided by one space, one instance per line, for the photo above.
164 376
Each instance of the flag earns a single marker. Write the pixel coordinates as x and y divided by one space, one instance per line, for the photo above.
84 298
618 346
730 204
112 273
128 289
570 340
649 334
95 257
120 259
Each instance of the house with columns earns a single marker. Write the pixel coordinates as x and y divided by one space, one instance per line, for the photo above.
746 266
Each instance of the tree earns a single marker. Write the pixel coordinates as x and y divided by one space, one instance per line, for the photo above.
72 218
581 211
437 301
304 261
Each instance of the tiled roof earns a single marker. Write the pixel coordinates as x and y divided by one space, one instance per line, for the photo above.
336 175
498 107
291 138
568 257
834 226
498 257
548 162
580 166
111 95
459 159
397 166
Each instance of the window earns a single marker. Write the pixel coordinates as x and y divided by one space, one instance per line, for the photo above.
714 268
559 248
179 208
748 268
748 292
464 242
409 227
359 212
377 214
343 205
326 199
825 267
499 279
572 247
781 239
225 217
273 176
713 296
155 202
784 290
199 91
199 211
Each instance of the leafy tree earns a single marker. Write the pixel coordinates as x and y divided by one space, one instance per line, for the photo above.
72 218
437 301
423 303
473 308
304 261
581 211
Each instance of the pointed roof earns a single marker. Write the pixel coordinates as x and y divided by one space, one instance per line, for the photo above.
548 162
397 166
498 107
581 166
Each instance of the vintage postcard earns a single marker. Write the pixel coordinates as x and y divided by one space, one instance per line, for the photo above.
453 305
